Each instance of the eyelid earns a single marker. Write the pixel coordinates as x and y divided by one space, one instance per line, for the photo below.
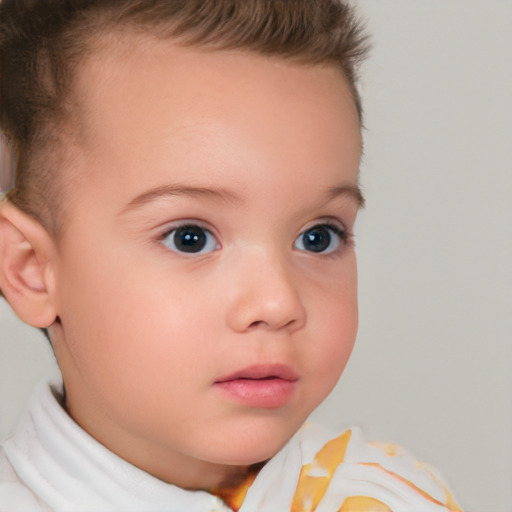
176 224
332 222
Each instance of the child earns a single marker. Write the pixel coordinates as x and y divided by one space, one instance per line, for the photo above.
181 227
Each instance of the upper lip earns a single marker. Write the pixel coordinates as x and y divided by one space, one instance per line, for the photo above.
263 371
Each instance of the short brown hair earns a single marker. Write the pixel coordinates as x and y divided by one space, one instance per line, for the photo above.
42 42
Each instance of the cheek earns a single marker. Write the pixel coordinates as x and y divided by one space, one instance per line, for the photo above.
336 326
134 325
339 332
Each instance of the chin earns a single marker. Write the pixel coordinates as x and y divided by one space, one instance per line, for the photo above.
250 445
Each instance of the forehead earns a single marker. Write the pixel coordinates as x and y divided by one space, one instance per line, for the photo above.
143 100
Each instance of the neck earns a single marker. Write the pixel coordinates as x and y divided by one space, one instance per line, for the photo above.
233 492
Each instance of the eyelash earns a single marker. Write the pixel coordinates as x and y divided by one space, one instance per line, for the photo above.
197 231
345 238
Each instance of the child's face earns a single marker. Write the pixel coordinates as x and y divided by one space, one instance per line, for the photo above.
206 281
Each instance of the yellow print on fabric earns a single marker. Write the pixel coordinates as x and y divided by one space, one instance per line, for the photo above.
315 478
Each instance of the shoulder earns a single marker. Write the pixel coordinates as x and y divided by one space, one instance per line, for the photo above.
14 495
344 470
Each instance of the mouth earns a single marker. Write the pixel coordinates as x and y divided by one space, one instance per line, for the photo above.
263 372
261 386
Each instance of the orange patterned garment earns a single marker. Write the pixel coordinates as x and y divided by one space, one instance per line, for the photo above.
347 474
316 477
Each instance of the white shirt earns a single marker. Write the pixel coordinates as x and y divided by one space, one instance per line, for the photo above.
51 464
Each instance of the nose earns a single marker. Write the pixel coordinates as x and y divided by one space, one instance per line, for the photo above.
265 295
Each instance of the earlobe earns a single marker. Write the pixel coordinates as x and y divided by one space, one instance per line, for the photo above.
26 250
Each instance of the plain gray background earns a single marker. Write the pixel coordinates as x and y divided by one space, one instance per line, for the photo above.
432 368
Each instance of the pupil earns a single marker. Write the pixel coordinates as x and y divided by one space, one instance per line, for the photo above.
190 239
316 239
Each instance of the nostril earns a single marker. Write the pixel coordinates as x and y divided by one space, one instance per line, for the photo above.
263 323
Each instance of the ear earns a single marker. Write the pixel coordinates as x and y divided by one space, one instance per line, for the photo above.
26 254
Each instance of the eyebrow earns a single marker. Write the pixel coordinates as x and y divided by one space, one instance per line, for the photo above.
353 191
224 195
175 190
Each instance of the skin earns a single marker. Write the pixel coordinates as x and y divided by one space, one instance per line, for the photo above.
251 149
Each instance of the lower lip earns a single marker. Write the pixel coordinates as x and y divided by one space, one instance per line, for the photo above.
262 393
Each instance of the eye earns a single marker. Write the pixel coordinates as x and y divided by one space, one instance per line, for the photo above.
322 238
190 239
